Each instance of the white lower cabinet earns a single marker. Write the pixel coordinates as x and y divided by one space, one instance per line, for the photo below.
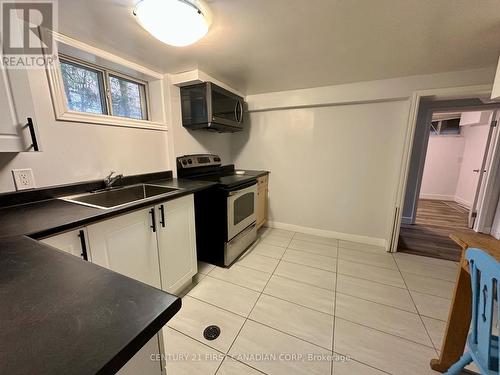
73 242
177 243
156 245
141 363
127 244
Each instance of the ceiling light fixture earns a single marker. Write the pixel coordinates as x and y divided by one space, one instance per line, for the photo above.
175 22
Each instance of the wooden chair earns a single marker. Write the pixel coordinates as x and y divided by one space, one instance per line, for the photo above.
482 341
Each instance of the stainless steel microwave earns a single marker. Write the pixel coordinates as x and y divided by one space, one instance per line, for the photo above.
211 107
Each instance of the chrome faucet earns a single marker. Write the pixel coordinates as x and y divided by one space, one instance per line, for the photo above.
109 181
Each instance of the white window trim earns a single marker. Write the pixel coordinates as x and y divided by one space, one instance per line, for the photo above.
62 113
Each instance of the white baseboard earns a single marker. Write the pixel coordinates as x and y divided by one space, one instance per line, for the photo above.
331 234
440 197
437 197
463 202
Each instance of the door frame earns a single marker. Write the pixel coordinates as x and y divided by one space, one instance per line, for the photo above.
453 93
491 185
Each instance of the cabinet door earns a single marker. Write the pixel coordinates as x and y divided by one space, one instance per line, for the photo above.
262 193
127 245
73 242
141 363
177 243
16 106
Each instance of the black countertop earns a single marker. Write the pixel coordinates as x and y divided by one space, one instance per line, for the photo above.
253 173
62 315
44 218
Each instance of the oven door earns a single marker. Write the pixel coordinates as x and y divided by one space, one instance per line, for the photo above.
241 206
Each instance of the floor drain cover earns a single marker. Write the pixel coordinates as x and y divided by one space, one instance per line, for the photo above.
211 332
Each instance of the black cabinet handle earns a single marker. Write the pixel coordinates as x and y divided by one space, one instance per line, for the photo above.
31 127
162 217
83 244
153 219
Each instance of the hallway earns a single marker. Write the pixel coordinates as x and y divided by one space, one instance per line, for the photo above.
429 236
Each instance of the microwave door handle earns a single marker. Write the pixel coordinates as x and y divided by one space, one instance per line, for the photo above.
236 111
241 111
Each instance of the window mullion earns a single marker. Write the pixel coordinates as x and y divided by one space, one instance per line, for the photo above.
107 93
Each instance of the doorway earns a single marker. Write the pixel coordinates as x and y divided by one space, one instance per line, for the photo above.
453 145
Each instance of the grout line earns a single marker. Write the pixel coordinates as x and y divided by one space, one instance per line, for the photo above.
368 264
247 317
313 253
195 339
363 363
306 265
302 264
386 333
426 276
372 281
243 363
335 307
291 335
379 303
235 284
303 282
416 308
211 304
298 304
430 294
209 347
335 291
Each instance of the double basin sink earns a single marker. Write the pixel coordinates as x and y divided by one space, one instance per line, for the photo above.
120 196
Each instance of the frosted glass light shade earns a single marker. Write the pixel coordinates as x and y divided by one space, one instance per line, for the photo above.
175 22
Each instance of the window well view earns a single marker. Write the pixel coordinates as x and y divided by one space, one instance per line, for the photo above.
231 187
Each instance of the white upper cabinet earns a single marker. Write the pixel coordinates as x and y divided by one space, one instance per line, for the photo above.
177 243
127 244
16 104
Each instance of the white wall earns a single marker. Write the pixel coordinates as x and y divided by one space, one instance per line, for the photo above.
332 168
335 152
442 167
475 142
450 160
74 152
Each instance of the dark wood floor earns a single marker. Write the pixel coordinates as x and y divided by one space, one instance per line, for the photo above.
429 236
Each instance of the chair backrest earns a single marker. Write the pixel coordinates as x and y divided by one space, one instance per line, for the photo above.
485 273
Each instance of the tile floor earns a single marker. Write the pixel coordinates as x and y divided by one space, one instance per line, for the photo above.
303 304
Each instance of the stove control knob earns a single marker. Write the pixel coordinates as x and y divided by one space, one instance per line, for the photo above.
184 162
217 159
190 161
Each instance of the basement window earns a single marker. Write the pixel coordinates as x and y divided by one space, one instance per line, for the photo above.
96 90
446 127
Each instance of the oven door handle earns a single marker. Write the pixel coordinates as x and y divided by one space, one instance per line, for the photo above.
243 191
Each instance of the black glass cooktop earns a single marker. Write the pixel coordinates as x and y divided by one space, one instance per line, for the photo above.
227 180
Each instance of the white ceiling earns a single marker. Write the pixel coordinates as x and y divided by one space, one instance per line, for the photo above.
272 45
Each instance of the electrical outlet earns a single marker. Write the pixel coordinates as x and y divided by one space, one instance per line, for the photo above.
23 178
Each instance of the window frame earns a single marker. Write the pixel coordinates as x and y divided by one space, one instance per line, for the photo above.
437 131
105 85
101 81
144 94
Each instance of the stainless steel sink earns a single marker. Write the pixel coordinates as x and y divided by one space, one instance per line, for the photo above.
116 197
